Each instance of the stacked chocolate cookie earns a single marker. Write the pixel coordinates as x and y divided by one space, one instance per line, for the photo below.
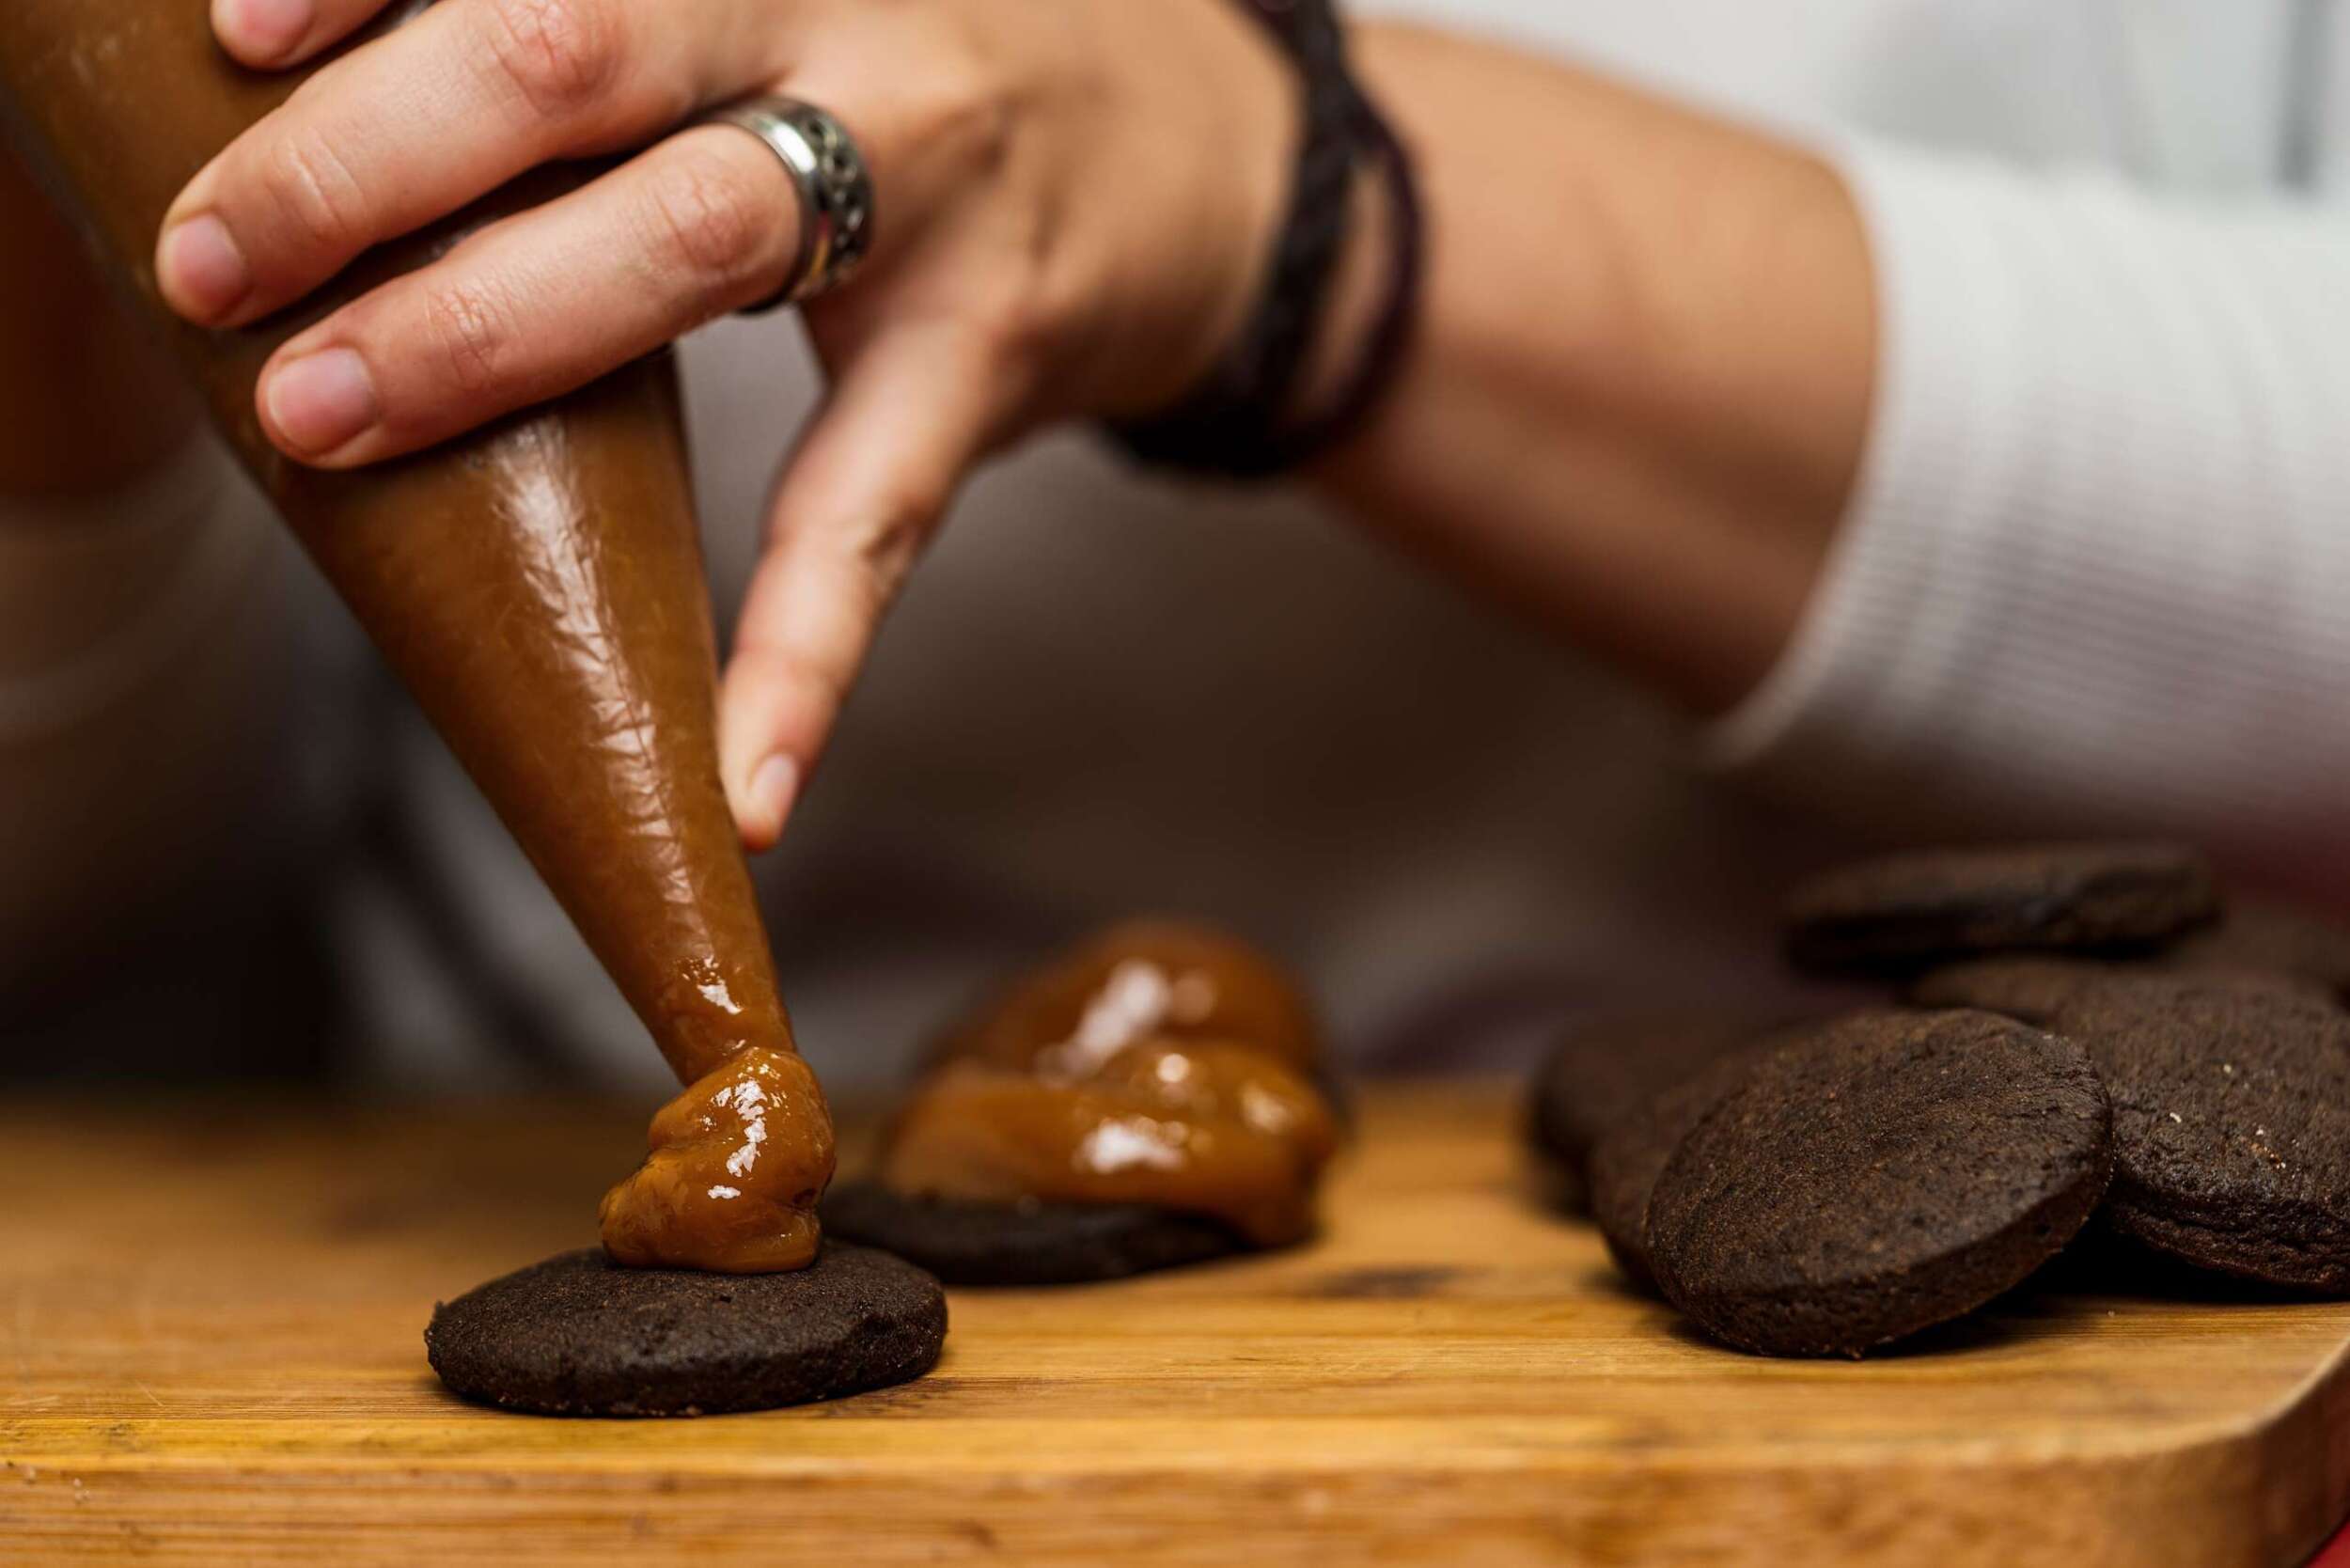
2089 1037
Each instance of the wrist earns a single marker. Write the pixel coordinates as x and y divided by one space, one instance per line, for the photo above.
1330 310
1195 184
1250 165
1350 308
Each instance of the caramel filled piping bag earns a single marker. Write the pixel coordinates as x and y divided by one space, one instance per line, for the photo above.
539 587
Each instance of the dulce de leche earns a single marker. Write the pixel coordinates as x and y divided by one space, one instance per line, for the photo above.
539 587
1155 1063
1138 979
737 1163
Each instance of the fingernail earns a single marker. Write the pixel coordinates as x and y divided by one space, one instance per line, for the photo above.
265 30
322 402
200 269
771 789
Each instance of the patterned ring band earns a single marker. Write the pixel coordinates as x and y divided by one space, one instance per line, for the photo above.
835 191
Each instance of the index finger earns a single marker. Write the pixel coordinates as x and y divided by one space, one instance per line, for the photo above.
414 125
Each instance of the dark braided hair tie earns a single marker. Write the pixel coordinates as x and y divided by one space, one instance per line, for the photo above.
1241 422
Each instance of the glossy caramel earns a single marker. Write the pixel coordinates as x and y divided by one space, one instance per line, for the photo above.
1134 980
1155 1063
736 1165
539 587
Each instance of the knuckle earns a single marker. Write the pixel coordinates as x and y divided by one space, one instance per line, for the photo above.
1016 325
773 656
558 57
959 107
711 218
887 541
470 332
315 194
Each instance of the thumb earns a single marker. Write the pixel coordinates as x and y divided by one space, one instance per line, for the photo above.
873 475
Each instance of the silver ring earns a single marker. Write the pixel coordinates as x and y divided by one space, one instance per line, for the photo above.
836 190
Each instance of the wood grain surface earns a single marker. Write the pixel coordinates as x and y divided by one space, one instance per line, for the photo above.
212 1327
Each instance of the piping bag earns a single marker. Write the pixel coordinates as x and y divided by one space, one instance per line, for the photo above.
538 586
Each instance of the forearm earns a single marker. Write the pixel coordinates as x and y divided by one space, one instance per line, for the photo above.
1641 378
2094 578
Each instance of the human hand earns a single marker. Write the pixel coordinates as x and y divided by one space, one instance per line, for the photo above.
1075 201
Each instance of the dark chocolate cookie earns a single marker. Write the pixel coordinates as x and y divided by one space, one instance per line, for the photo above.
1913 911
1626 1162
1605 1068
2035 990
2231 1125
1886 1173
579 1335
1023 1244
2270 938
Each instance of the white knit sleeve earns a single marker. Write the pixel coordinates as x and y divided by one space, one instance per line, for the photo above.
2096 575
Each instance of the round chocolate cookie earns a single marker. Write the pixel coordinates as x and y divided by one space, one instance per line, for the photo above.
1029 1243
2035 990
1886 1173
1912 911
1605 1068
1625 1163
579 1335
2271 939
2231 1125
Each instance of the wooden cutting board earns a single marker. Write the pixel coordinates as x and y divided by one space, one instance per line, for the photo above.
212 1355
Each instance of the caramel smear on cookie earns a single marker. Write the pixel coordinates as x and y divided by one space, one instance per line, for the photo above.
1156 1063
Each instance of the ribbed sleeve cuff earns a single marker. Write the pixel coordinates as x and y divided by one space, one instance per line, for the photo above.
2093 568
1913 554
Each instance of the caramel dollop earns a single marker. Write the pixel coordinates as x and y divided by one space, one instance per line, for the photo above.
1155 1063
737 1163
1141 980
1219 1130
